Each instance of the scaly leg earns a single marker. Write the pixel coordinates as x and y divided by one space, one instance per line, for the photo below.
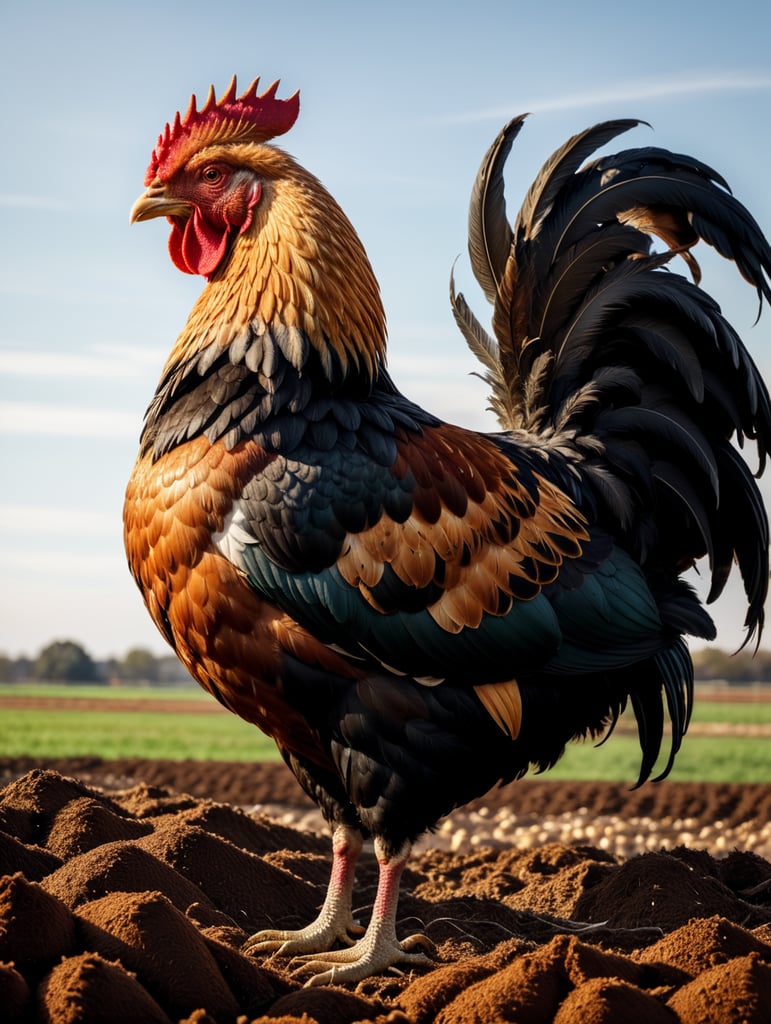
334 923
379 947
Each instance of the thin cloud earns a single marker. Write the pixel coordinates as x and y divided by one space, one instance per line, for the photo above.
15 201
59 563
694 84
43 520
30 418
121 363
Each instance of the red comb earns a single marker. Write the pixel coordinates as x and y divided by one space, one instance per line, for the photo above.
248 118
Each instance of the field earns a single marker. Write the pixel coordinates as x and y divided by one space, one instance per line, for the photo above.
728 740
551 899
49 721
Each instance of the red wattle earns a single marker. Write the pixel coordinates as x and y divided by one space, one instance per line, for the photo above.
199 247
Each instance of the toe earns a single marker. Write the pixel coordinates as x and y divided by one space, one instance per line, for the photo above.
365 958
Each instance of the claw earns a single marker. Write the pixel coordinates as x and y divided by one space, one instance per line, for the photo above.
418 939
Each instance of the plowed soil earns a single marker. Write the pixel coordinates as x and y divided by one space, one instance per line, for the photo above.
127 890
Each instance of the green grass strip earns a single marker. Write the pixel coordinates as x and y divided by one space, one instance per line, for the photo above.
701 759
108 735
105 734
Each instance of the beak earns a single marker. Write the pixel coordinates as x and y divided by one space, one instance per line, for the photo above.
155 203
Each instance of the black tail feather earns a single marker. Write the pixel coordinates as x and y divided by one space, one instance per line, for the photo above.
626 371
670 672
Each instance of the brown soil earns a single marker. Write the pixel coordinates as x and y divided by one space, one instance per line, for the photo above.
127 893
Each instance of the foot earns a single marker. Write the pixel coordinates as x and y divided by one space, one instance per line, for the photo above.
373 954
335 922
317 937
379 949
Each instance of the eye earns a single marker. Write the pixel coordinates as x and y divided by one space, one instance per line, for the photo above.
212 174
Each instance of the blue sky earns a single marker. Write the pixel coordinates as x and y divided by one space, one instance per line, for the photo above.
398 104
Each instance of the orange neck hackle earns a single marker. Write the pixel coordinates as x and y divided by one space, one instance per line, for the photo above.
300 264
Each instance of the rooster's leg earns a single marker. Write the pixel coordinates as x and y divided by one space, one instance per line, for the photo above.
379 948
334 923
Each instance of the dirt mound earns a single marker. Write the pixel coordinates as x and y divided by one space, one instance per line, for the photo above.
133 905
247 784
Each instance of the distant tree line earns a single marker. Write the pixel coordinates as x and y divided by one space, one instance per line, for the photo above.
67 661
744 667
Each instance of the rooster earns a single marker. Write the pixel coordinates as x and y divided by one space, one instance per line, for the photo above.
413 611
